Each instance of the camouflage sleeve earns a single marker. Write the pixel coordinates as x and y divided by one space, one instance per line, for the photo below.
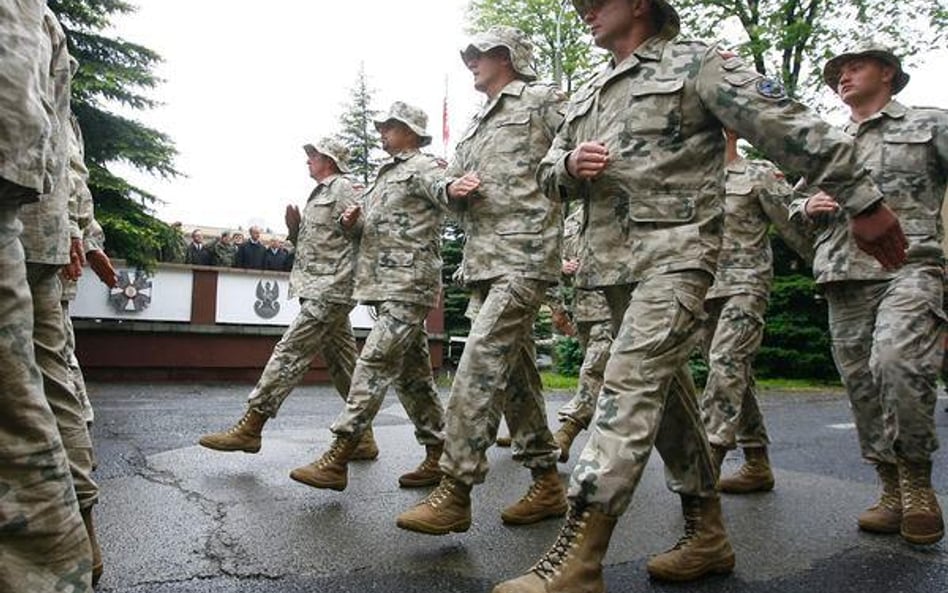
790 134
93 237
552 111
552 176
344 196
775 196
941 141
428 177
439 188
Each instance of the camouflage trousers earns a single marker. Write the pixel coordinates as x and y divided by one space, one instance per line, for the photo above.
72 364
729 340
396 351
498 374
595 338
887 345
49 344
321 327
43 544
648 396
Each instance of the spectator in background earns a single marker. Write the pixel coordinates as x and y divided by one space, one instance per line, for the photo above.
198 254
237 239
251 252
276 257
224 252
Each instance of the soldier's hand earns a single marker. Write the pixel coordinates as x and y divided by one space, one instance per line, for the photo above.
570 266
73 270
879 234
293 219
820 204
102 266
587 160
350 215
463 187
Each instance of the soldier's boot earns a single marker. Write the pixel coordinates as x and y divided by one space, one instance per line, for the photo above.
427 473
886 515
546 498
367 449
94 544
565 436
331 470
447 508
243 436
754 476
503 441
704 548
922 521
574 563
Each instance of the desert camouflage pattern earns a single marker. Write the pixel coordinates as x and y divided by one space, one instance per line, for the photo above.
595 338
400 233
395 352
497 374
43 544
80 203
25 53
658 207
588 305
510 226
324 266
48 224
321 327
887 345
757 196
518 45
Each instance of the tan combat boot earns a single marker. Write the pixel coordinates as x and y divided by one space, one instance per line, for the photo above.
546 498
886 515
331 470
565 436
574 562
427 473
367 449
922 521
243 436
704 548
503 441
447 508
754 476
94 544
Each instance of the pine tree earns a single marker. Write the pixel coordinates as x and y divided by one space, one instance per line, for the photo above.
358 129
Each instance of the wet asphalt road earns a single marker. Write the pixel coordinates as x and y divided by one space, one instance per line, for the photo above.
176 518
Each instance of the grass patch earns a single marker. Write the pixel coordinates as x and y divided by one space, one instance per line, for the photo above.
798 384
557 382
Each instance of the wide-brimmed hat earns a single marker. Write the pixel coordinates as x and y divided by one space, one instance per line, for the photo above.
667 20
331 148
414 118
867 48
517 43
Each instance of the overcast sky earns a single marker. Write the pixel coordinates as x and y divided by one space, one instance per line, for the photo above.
248 83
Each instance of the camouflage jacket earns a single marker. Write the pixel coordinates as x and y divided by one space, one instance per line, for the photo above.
93 238
49 224
511 226
24 112
400 228
223 254
325 256
757 196
588 305
658 206
906 151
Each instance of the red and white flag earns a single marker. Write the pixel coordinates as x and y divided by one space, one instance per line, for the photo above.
445 126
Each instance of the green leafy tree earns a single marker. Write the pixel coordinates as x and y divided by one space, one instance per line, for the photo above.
358 129
114 72
455 297
562 47
792 39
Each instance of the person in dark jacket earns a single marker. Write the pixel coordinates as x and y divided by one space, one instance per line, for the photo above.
251 252
198 253
277 257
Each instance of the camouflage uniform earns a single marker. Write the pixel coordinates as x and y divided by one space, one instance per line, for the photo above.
398 271
322 278
594 331
652 233
511 257
43 545
756 196
224 254
886 326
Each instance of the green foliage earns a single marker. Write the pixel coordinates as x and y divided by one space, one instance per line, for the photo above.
455 297
792 39
567 356
358 129
557 382
115 71
562 48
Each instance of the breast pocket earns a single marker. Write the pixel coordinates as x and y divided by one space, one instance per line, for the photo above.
512 134
655 108
904 171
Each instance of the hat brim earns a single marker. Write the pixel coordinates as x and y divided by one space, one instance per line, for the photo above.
481 45
311 149
424 137
832 71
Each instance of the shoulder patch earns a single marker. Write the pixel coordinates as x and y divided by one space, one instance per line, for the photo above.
770 88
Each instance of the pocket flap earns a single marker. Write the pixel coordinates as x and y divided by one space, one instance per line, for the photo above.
517 119
741 77
396 259
908 137
657 87
669 208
